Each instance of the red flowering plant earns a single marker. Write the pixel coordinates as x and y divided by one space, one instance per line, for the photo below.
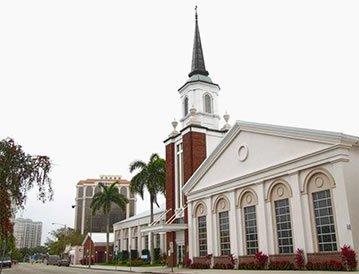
187 262
261 260
299 259
233 260
349 258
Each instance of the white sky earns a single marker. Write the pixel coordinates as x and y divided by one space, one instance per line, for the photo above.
93 84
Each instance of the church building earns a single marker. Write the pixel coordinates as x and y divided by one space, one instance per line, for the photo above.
236 190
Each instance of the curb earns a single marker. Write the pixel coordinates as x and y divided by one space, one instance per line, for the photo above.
118 270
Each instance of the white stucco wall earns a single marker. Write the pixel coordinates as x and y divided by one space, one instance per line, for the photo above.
351 175
288 159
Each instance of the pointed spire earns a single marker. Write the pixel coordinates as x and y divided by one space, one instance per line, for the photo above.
198 66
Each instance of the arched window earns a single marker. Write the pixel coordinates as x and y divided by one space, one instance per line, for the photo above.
80 192
318 187
201 228
89 191
208 103
123 191
185 106
279 194
222 209
247 202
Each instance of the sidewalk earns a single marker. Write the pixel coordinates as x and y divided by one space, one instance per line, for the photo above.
164 269
139 269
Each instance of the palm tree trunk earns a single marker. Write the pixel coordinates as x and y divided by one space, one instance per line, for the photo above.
107 236
151 234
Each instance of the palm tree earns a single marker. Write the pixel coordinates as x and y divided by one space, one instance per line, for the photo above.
150 176
103 200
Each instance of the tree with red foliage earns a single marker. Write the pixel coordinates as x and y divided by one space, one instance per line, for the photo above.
299 259
19 172
261 260
349 258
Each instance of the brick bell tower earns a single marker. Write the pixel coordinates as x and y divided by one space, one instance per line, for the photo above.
187 148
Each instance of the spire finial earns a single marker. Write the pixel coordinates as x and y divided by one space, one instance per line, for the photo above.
198 66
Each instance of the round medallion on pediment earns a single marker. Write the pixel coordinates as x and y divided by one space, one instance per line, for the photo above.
242 153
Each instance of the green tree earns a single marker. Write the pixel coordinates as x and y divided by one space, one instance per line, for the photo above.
103 200
151 176
19 172
61 238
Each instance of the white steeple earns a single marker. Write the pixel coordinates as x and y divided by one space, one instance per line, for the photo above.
199 92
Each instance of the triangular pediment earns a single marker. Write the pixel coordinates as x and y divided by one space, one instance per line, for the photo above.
251 147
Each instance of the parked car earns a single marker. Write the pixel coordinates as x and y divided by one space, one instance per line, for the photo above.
6 262
52 260
63 262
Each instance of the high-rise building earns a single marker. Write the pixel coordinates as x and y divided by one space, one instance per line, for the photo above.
86 189
27 233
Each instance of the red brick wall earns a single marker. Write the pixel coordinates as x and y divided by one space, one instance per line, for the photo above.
321 257
194 153
282 257
98 252
170 197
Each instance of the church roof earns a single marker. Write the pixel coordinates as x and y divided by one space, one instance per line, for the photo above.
198 66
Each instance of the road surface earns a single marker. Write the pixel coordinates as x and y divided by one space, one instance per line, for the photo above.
51 269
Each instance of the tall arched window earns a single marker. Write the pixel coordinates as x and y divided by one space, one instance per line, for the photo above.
208 103
222 209
247 202
89 191
202 229
123 191
318 186
280 193
185 106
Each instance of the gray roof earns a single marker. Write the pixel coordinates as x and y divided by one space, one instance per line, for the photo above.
144 214
198 66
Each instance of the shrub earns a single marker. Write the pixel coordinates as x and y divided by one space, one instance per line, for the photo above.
331 265
223 266
349 260
163 259
134 254
261 260
135 262
299 259
200 266
123 256
281 265
85 261
248 266
156 255
187 262
233 260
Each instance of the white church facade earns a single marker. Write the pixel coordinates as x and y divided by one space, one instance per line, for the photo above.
236 190
275 189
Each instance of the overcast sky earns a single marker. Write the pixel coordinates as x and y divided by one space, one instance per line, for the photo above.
93 84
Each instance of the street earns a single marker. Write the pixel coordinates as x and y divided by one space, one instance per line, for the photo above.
41 268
